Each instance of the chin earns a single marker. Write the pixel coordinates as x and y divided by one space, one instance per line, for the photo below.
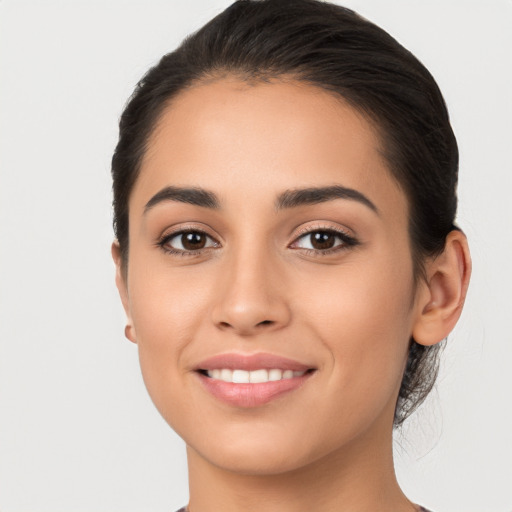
255 461
261 449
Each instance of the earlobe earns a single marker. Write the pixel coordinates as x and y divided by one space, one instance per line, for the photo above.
442 297
129 330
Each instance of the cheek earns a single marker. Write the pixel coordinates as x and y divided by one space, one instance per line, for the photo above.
167 309
365 322
372 294
166 301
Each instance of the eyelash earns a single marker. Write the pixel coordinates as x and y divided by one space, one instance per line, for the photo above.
347 241
162 243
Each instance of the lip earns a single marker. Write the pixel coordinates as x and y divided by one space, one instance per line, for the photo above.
249 362
251 395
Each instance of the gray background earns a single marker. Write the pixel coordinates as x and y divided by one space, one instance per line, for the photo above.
77 431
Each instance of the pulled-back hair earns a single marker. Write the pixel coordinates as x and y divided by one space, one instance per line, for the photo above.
333 48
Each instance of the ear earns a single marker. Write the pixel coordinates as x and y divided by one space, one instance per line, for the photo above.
123 290
442 295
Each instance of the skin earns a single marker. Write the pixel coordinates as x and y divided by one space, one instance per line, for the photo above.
260 286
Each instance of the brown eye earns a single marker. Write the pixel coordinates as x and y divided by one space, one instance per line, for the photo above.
187 241
192 241
322 240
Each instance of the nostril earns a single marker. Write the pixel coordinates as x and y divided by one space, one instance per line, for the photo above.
266 322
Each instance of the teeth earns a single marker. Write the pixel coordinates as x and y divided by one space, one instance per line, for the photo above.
254 376
258 376
241 377
225 375
275 375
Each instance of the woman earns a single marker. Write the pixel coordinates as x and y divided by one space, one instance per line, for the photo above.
284 200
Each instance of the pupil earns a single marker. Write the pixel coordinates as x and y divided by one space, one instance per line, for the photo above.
322 240
192 241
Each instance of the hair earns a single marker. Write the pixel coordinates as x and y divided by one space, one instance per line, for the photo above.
330 47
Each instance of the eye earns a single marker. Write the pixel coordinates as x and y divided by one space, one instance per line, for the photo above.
324 241
186 242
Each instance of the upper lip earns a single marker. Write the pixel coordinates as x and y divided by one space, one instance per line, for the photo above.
249 362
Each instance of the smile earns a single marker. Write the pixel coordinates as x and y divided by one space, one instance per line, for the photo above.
253 377
251 380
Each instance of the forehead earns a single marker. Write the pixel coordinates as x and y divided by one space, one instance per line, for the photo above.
258 139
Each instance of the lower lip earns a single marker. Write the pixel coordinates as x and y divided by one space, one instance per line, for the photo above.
251 395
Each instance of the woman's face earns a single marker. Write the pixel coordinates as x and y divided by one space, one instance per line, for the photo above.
269 243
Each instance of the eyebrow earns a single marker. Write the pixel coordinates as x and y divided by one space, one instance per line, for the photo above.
190 195
288 199
315 195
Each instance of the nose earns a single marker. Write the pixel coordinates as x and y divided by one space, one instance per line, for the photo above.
251 297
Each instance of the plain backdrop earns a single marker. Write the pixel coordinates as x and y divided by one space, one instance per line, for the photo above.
77 429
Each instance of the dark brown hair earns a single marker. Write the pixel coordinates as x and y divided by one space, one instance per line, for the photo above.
331 47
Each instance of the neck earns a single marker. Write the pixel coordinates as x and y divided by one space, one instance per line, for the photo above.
358 478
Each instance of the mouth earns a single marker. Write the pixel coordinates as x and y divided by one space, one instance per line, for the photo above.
259 376
251 380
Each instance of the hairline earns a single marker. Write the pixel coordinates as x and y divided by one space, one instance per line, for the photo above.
268 77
